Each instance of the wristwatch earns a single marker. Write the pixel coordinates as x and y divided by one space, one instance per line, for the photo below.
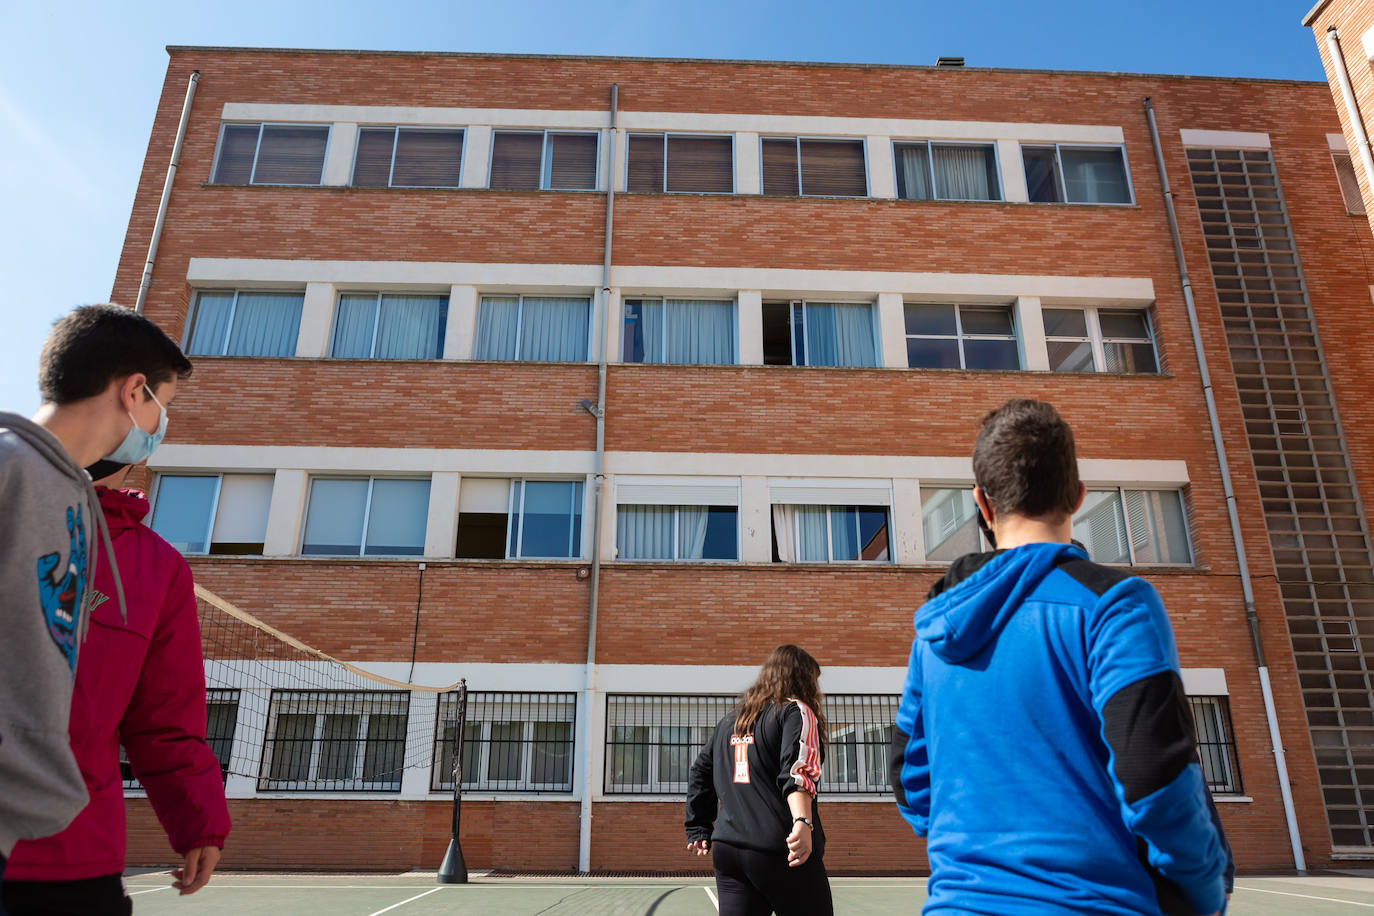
804 820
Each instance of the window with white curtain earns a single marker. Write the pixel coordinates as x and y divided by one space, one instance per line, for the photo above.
830 534
1100 340
512 742
677 533
366 516
408 157
697 332
961 337
820 334
651 740
1134 527
337 741
288 154
946 171
860 731
808 167
533 328
389 326
524 160
213 513
237 323
1077 174
949 521
680 164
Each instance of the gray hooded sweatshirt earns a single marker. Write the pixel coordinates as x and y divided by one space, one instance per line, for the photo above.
49 519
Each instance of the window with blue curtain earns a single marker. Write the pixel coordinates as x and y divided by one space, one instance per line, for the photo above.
677 533
697 332
533 328
834 334
389 326
546 519
245 324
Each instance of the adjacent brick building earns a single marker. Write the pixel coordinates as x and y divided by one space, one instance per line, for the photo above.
389 271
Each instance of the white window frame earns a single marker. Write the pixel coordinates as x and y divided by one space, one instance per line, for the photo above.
520 322
545 159
1120 491
874 322
1336 157
862 752
367 516
664 135
317 742
377 318
930 166
655 784
233 315
801 183
257 148
510 519
830 536
525 782
1097 339
662 301
960 336
739 546
395 139
1063 187
1221 719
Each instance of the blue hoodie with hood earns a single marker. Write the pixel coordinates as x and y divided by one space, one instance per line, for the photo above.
1045 747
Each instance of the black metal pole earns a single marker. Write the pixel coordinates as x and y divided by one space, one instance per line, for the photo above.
454 870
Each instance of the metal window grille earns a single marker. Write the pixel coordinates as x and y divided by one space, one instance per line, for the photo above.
651 741
335 741
221 721
1216 744
512 742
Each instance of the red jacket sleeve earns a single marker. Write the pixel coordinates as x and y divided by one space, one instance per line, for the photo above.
163 729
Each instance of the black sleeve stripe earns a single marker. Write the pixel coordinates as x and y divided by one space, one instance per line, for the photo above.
896 759
1096 578
1150 731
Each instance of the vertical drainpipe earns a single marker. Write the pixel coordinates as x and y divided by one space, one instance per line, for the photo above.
1352 108
584 842
1251 617
147 280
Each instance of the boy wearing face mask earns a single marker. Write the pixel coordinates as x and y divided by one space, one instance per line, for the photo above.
106 376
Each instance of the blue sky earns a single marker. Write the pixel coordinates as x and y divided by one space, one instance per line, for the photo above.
79 82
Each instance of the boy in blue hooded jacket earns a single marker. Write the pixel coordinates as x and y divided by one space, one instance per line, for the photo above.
1044 743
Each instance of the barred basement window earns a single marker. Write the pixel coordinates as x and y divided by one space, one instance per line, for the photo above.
1216 744
221 720
335 741
651 741
1134 527
860 731
512 742
681 163
408 157
795 166
543 160
1350 185
287 154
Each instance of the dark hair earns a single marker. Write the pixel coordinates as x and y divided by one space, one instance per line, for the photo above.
1024 459
790 673
93 345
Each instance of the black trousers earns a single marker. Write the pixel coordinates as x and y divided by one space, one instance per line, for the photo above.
103 896
752 883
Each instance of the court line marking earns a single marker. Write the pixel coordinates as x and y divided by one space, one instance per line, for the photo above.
161 887
1260 890
714 902
432 890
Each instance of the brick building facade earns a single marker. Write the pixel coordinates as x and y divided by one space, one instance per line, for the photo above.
388 269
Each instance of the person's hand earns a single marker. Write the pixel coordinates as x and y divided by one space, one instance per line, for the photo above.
798 844
195 874
700 847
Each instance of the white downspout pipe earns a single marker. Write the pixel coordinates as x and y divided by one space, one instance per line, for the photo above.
1251 617
147 280
589 773
1352 108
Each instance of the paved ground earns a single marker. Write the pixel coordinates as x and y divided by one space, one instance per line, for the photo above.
416 894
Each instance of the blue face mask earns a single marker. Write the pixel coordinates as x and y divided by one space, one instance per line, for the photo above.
139 443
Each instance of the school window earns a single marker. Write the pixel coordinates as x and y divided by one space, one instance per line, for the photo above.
859 727
1100 340
830 534
1134 527
511 742
946 171
697 332
680 164
288 154
533 328
213 513
523 160
1350 185
335 741
797 166
232 323
389 326
221 720
366 516
961 337
1077 174
819 334
501 519
407 157
677 533
949 522
651 741
1216 744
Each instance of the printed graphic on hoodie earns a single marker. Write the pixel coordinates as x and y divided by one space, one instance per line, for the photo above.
60 593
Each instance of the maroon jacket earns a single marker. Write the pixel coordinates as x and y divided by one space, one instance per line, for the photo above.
141 683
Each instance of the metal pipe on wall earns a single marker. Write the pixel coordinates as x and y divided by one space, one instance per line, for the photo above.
1237 536
147 280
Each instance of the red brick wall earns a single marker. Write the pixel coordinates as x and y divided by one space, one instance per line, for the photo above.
1352 18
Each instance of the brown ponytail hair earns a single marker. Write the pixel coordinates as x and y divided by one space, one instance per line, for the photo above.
790 673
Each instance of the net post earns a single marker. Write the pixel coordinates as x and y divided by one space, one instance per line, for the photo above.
454 870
